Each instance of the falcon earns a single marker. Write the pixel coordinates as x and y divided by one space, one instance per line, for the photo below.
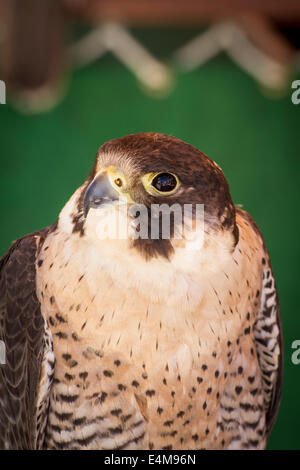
141 342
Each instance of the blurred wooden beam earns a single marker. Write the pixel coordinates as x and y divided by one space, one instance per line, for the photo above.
181 12
265 37
33 43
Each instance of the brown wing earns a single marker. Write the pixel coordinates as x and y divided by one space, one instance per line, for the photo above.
269 345
268 335
23 333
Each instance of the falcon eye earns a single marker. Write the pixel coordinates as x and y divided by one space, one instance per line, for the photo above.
165 182
118 182
160 183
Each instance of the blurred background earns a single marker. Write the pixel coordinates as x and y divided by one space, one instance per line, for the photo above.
217 74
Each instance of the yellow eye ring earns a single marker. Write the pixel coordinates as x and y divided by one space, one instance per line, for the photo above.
162 183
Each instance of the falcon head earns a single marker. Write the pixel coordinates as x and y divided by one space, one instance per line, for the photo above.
153 170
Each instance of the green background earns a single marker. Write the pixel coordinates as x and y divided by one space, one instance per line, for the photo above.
217 108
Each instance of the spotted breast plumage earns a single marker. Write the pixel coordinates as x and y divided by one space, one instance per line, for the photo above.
141 342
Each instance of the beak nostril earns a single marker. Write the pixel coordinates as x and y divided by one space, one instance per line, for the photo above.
99 200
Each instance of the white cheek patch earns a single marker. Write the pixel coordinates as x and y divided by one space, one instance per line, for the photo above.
109 222
66 215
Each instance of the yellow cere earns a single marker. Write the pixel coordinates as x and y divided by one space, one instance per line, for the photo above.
116 177
118 181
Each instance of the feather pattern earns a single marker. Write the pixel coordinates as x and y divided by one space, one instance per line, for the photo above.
116 345
22 329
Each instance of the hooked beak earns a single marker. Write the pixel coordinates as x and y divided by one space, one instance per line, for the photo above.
99 192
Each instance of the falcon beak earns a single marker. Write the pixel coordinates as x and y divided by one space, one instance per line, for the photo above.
99 192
